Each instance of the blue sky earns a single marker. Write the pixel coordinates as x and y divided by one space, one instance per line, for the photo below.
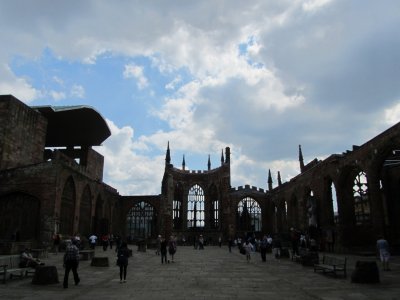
260 77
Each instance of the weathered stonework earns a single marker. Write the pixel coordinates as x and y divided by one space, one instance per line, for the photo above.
45 190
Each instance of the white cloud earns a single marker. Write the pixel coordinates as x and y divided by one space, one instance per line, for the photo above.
16 86
136 72
313 5
78 91
392 114
126 170
171 85
57 96
312 69
58 80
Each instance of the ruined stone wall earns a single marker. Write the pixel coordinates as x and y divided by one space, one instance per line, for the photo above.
95 164
22 134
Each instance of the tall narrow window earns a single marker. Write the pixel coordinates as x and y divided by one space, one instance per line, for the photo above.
286 210
215 214
176 213
361 203
334 204
195 213
177 210
214 208
249 215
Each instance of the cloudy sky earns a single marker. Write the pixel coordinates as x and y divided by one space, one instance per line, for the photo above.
261 77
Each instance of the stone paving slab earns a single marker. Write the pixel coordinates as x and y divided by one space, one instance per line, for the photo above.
213 273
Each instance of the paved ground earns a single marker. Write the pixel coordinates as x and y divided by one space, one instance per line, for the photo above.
213 273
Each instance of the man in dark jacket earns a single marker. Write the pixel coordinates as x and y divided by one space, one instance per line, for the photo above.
71 262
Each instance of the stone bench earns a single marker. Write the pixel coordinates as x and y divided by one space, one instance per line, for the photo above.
45 275
99 261
365 272
86 254
10 265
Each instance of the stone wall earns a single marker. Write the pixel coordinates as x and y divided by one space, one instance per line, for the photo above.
22 134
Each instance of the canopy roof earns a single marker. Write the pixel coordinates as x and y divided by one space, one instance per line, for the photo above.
74 126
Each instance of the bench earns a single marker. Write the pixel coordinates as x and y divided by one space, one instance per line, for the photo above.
306 257
333 265
10 264
86 254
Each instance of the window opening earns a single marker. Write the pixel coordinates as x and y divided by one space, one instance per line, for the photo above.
361 203
249 214
141 221
195 213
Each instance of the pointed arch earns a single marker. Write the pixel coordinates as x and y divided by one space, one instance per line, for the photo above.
141 221
361 199
195 212
249 215
311 207
67 210
85 212
98 216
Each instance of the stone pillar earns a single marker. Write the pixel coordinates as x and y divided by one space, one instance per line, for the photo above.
167 213
375 202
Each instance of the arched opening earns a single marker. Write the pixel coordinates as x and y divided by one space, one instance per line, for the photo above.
67 211
311 208
361 201
141 221
249 215
85 214
98 217
195 213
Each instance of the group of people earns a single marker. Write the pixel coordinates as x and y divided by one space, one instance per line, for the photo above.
164 247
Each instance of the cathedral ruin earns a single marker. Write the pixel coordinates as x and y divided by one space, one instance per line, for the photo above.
51 181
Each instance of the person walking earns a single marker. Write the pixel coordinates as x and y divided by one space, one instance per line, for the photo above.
384 252
158 245
163 250
263 248
276 247
122 261
230 244
56 242
71 262
248 247
172 247
201 242
220 241
93 240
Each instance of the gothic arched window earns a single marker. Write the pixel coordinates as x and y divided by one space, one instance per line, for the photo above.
195 212
361 202
141 221
249 215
